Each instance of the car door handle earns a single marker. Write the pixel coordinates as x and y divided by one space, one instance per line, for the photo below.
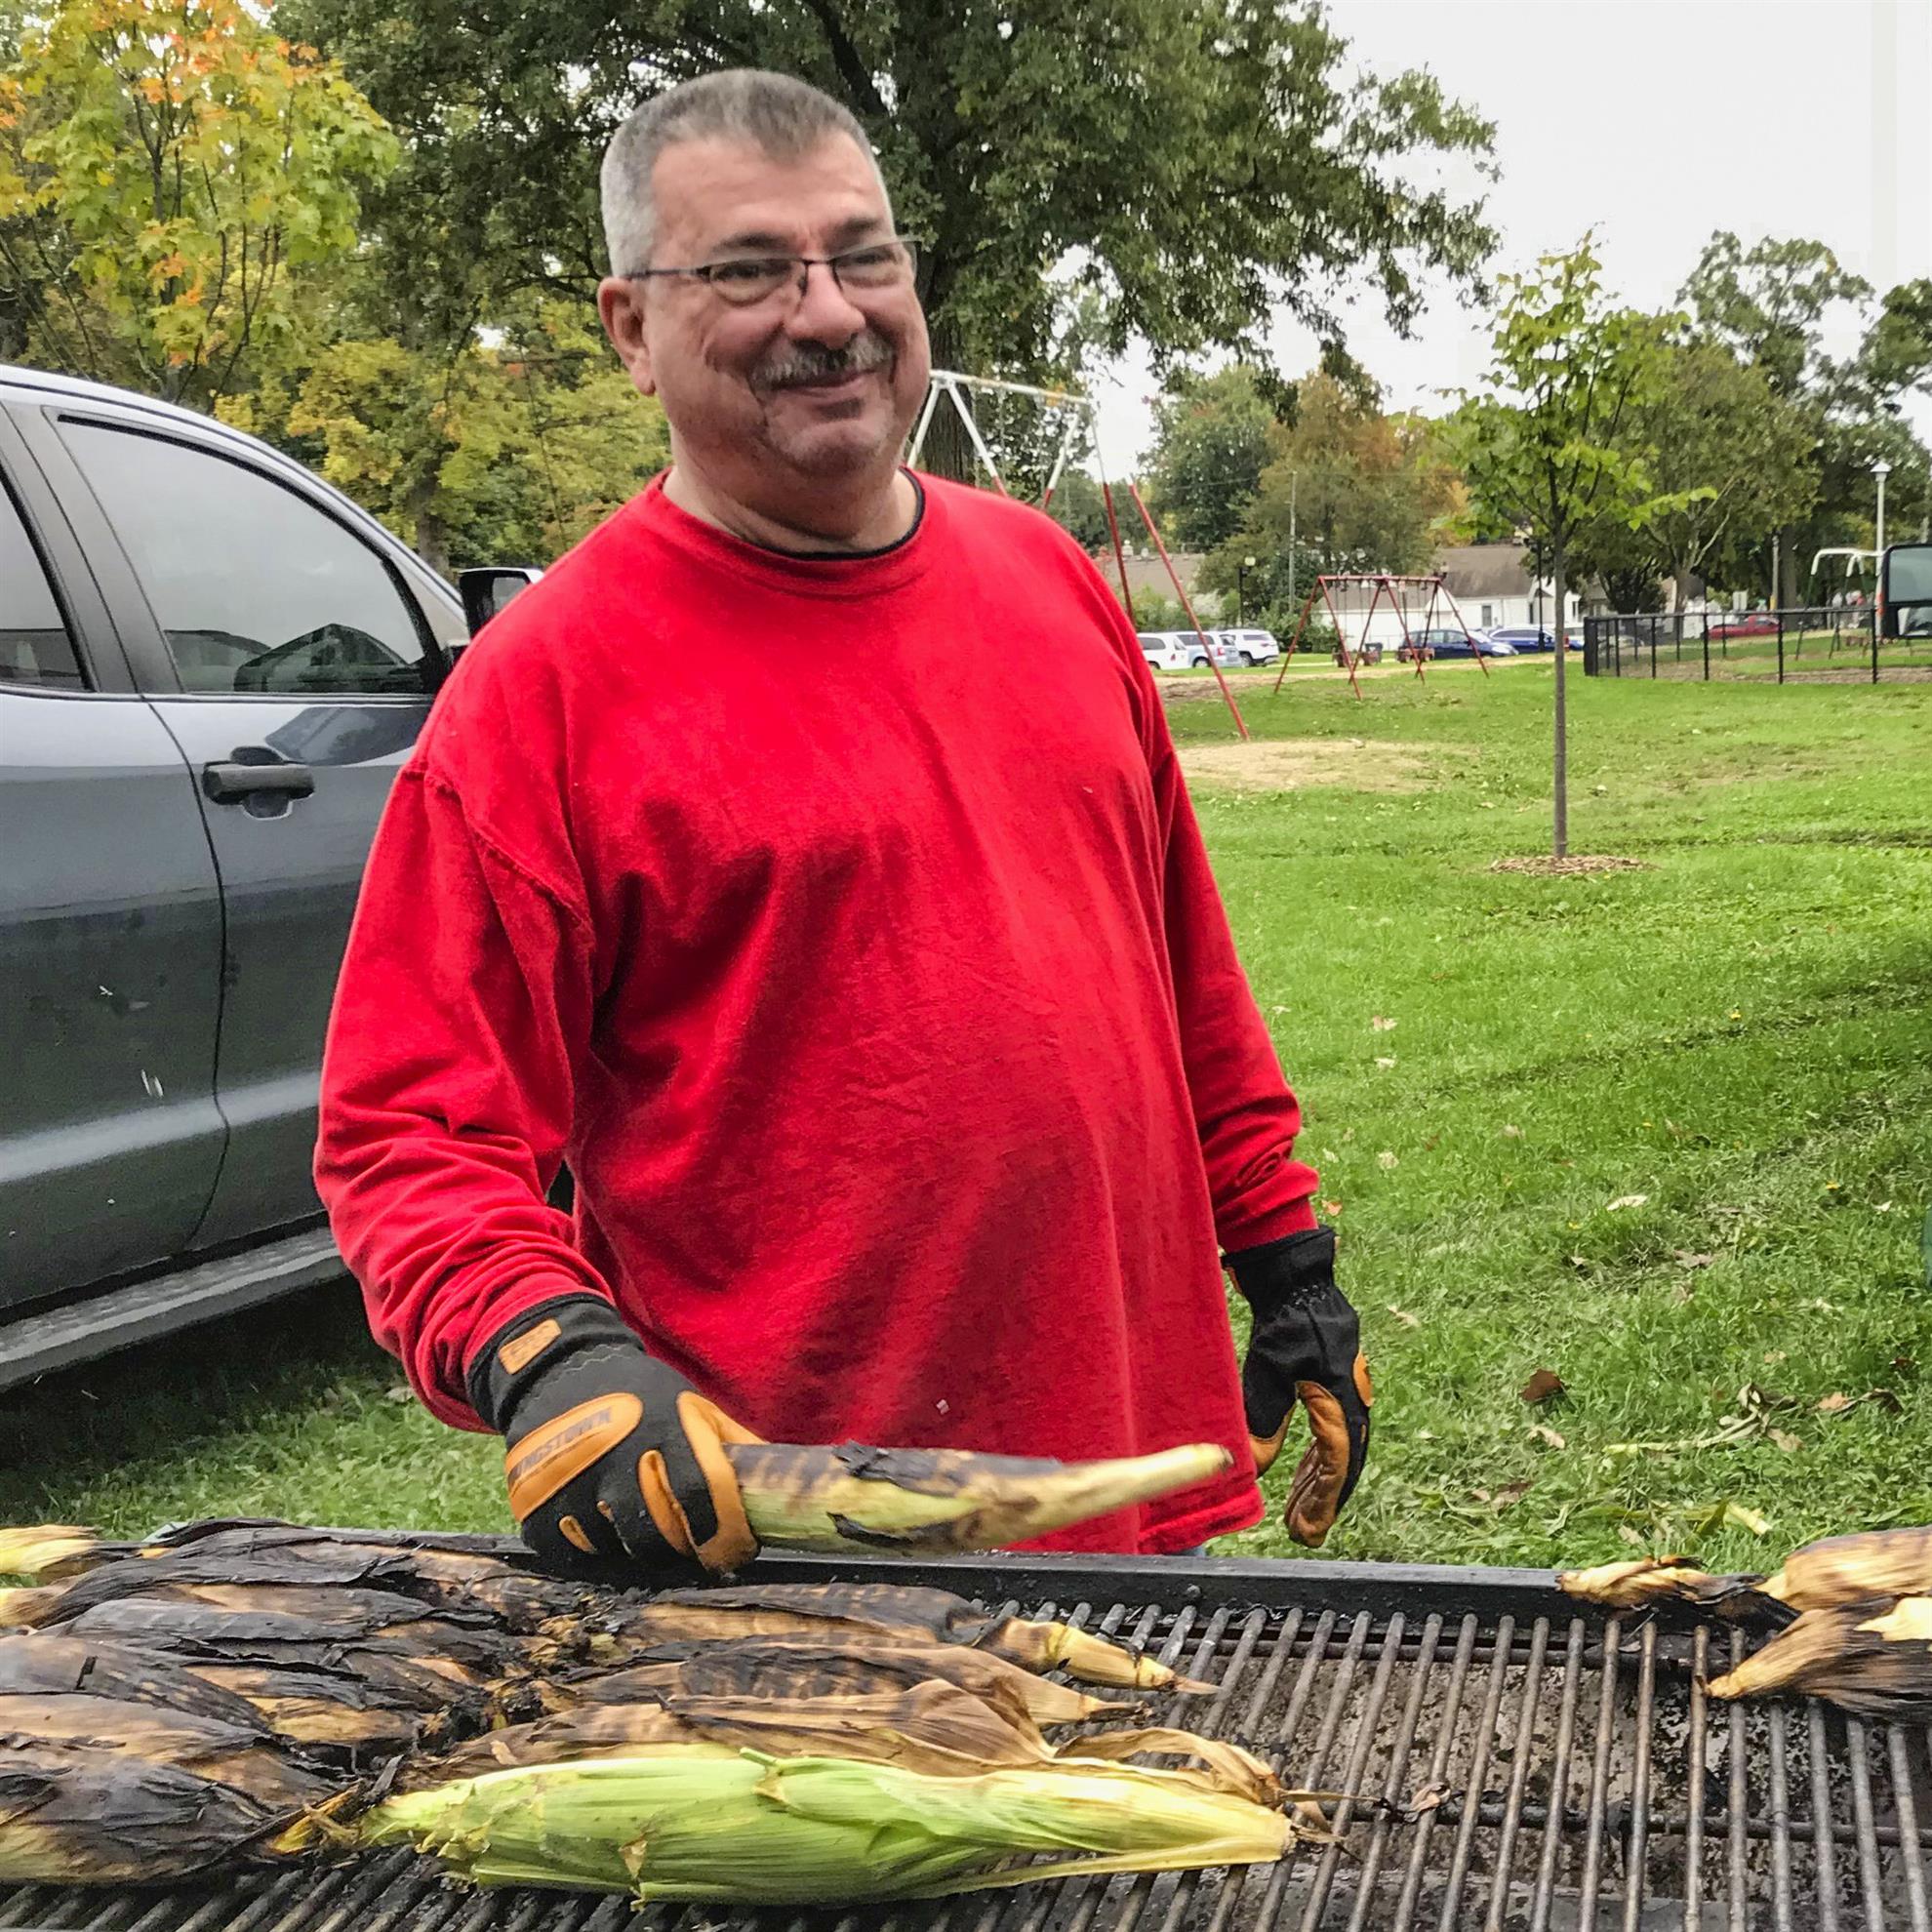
230 781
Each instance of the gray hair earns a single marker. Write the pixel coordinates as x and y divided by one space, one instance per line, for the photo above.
782 116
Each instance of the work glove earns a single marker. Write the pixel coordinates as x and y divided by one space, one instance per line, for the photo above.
1305 1343
611 1454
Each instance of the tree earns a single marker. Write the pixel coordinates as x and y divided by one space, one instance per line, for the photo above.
1080 510
505 453
1547 451
1731 459
168 169
1211 445
1195 168
1354 489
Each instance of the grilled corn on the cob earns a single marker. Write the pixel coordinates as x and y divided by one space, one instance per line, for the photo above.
1872 1658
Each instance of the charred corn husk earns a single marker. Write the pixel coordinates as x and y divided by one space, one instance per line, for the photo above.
246 1758
791 1669
49 1663
932 1501
894 1614
1871 1657
1645 1580
1847 1569
104 1816
757 1829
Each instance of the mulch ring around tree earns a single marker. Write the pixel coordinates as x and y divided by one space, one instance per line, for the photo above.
1541 866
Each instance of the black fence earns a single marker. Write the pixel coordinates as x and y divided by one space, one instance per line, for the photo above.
1822 644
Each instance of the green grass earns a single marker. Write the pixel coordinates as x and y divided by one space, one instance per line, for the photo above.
1739 1033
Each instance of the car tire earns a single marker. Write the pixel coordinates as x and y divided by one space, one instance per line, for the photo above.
1247 660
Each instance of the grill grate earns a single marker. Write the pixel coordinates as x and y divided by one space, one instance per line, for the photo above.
1523 1769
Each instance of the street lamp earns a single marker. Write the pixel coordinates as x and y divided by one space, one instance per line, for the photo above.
1241 571
1881 470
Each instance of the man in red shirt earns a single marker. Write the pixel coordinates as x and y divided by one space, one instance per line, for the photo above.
806 861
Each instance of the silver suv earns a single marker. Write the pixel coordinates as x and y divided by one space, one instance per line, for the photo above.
211 665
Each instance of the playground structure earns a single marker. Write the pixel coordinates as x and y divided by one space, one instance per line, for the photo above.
1415 606
949 386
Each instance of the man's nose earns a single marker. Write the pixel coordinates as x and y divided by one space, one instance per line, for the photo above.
824 312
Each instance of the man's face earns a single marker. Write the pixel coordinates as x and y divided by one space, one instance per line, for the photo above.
793 393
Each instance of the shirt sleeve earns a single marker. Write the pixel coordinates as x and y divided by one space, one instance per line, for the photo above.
463 1003
1244 1110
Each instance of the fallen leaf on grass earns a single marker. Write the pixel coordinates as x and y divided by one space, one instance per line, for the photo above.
1754 1520
1512 1491
1548 1436
1403 1317
1513 1133
399 1391
1833 1404
1685 1259
1381 1025
1541 1385
1634 1536
1386 1160
1385 1061
1787 1441
1625 1201
1885 1400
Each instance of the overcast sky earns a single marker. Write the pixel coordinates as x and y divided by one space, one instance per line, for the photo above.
1653 122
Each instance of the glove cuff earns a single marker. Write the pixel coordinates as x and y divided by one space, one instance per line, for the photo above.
1293 1272
533 1342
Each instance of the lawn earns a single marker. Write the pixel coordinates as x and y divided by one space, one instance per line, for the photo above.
1662 1132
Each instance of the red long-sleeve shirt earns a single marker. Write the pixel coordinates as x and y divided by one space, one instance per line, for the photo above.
843 922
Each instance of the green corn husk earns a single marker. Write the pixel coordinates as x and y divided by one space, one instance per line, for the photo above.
754 1829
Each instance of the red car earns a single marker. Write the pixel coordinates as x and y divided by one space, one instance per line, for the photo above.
1745 623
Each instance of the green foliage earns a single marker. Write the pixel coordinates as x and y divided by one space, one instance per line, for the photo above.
494 454
1212 441
1361 490
168 170
1206 165
1080 510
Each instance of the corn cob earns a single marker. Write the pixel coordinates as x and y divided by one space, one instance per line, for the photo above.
752 1828
1644 1581
885 1613
934 1502
784 1667
1874 1658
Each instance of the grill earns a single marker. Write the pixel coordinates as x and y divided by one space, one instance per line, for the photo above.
1513 1761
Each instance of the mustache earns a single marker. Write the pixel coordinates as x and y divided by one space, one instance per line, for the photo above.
812 362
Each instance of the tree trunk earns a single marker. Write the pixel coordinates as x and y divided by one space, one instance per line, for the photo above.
948 450
1561 786
1785 594
431 540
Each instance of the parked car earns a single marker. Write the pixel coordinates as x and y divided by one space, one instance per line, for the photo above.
1249 647
1452 641
211 667
1744 624
1524 639
1171 650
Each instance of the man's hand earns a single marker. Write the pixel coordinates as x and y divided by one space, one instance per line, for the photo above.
611 1454
1305 1343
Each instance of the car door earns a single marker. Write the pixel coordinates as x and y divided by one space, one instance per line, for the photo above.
110 932
276 638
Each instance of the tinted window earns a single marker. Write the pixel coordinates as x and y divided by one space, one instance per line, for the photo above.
1909 575
255 589
34 645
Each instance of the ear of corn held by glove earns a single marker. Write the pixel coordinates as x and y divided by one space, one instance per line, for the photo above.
228 1693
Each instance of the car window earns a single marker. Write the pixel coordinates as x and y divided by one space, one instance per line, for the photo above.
35 646
255 589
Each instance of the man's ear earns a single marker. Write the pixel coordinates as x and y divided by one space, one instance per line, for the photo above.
621 305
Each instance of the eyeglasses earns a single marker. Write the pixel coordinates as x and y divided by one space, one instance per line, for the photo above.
745 279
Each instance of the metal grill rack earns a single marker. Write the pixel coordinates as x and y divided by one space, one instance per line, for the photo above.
1514 1763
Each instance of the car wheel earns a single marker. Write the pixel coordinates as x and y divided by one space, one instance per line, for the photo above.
1248 660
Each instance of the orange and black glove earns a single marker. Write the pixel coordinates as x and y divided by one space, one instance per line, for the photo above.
1306 1345
611 1454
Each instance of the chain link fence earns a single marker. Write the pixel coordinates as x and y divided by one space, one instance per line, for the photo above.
1819 644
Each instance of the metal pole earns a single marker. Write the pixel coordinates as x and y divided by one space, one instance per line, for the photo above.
1706 647
1294 482
1187 604
1881 470
1781 647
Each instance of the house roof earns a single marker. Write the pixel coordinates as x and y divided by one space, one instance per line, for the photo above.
1486 570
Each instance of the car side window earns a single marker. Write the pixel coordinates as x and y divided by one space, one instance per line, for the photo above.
36 647
254 588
